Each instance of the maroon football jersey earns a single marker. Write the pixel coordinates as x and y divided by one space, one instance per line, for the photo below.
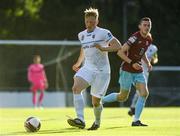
138 46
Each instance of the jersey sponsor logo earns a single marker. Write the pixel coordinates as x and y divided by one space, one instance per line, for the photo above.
82 37
93 36
89 46
109 34
132 39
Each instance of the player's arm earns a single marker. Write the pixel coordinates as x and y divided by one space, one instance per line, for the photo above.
146 60
45 79
122 54
114 45
29 75
76 66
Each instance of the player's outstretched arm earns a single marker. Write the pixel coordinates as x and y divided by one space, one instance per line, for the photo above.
122 53
114 45
76 66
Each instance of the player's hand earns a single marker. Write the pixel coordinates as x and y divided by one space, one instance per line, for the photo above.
46 85
75 67
154 60
137 66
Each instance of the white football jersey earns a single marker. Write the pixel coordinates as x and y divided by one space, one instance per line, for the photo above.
95 59
152 49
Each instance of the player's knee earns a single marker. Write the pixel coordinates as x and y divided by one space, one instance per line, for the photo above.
95 104
122 98
76 89
144 94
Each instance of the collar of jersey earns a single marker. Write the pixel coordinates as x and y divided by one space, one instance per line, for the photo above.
91 31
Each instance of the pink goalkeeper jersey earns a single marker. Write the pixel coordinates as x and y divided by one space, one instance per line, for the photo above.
36 73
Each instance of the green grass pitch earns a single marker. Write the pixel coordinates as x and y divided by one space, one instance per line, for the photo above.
115 122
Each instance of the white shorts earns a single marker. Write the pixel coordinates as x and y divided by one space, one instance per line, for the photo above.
98 81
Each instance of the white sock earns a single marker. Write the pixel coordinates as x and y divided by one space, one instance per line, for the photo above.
97 113
79 106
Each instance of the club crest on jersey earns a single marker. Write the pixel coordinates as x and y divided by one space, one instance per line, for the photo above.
109 35
93 36
82 37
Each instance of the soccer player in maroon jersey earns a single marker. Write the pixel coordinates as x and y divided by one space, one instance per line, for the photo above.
131 72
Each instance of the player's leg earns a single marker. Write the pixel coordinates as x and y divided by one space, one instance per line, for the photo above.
125 82
98 90
97 107
41 87
34 94
82 80
136 95
141 86
41 97
79 85
133 104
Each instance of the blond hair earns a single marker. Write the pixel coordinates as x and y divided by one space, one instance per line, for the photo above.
91 12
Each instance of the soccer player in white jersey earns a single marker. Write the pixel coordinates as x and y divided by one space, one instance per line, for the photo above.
153 58
96 43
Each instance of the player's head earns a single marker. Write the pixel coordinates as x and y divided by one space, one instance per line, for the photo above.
145 25
91 18
37 59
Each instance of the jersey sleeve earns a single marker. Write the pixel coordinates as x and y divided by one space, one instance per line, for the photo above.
155 49
79 36
132 40
107 35
152 49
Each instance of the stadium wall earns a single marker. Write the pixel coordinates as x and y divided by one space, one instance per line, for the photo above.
23 99
51 99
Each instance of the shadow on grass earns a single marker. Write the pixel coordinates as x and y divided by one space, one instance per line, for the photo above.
114 117
117 127
65 130
18 133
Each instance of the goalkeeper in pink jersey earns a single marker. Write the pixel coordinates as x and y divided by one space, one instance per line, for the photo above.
37 79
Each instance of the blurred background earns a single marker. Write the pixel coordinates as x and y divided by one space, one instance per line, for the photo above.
50 27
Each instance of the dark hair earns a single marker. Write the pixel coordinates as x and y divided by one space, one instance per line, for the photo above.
145 19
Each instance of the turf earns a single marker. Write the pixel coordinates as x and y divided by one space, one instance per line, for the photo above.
115 122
